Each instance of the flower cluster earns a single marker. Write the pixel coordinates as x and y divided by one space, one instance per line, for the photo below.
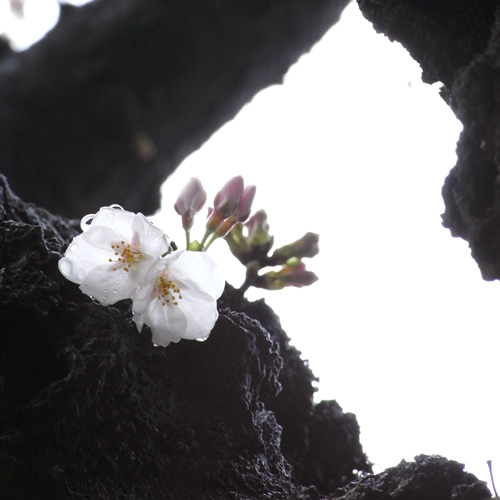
251 243
232 205
121 255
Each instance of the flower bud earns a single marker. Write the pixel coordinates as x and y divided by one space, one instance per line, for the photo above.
242 213
307 246
245 206
232 204
258 231
225 226
237 241
190 202
294 273
227 200
255 244
214 220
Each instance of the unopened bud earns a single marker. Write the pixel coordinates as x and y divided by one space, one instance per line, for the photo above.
251 241
258 231
225 226
294 273
245 206
214 220
227 200
307 246
190 202
237 241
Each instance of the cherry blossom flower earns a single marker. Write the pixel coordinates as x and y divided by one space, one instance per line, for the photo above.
111 257
179 298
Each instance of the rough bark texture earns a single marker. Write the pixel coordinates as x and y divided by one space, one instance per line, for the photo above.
103 109
458 43
429 478
308 430
89 408
112 100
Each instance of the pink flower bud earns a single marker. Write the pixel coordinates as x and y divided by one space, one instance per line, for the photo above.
225 226
227 200
245 206
258 230
307 246
190 201
214 220
294 273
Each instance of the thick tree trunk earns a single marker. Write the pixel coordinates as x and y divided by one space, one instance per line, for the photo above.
121 91
458 44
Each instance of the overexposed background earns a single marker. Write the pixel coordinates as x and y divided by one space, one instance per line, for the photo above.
400 328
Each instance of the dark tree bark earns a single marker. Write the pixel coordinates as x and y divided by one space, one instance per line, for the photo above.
458 43
121 91
100 112
89 408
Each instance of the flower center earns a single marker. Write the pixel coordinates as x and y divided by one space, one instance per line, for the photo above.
167 291
126 256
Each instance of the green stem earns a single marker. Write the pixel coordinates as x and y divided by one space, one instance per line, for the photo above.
207 234
210 241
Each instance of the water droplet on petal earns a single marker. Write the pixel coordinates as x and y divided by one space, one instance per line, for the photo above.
81 274
66 267
73 248
86 221
115 205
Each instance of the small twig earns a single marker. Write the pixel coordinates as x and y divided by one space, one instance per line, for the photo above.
491 475
251 276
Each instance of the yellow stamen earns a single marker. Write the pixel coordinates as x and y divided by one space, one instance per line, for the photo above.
127 256
166 290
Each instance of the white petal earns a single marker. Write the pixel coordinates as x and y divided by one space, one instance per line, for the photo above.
143 295
145 292
118 220
197 272
193 312
167 323
150 240
139 322
108 286
81 257
200 315
101 237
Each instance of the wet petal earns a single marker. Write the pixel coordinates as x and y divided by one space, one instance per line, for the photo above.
116 219
198 272
108 286
113 255
178 298
168 323
151 240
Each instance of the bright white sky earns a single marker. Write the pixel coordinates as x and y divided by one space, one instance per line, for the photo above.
401 329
